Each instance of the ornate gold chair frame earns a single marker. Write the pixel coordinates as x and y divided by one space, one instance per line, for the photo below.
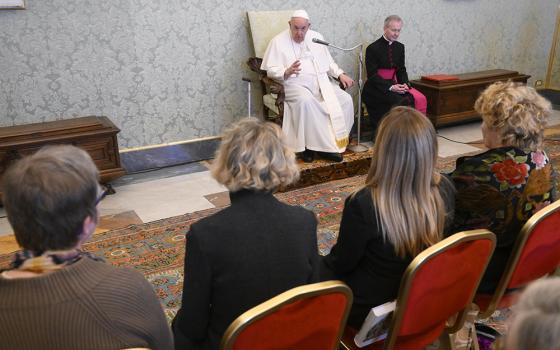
408 278
286 298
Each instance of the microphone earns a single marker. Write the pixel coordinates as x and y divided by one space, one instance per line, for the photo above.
319 41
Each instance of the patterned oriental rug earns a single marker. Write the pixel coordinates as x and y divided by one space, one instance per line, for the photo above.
157 248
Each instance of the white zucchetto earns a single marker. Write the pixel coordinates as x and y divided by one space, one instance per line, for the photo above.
301 14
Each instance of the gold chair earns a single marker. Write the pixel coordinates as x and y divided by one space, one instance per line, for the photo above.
307 317
437 285
536 253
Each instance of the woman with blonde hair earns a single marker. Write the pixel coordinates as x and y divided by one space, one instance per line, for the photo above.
251 251
500 189
400 211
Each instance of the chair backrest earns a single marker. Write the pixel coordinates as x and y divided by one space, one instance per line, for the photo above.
265 25
439 283
535 254
307 317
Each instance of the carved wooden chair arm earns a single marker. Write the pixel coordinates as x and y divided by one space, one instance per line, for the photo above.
254 64
274 86
268 84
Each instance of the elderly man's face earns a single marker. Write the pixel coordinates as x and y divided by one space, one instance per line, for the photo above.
298 28
393 30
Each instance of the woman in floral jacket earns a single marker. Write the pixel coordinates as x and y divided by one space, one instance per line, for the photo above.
503 187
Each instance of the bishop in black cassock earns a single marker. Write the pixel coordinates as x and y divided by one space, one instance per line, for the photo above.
382 54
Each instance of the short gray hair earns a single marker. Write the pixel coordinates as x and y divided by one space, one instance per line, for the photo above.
391 18
253 155
48 195
536 321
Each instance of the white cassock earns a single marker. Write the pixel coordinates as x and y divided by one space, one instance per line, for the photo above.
318 114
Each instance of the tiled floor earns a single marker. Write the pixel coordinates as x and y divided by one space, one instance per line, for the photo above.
163 193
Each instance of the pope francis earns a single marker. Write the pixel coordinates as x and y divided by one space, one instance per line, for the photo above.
318 114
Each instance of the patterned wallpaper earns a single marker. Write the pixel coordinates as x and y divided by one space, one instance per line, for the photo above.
554 81
170 70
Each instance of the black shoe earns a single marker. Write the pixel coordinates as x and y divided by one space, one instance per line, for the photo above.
335 157
307 156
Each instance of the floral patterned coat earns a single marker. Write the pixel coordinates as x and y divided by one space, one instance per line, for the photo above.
500 190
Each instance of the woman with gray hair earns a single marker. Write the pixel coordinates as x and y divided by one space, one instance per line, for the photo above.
500 189
55 296
251 251
536 319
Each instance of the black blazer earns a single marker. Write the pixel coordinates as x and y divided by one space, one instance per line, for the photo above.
238 258
363 260
375 93
380 54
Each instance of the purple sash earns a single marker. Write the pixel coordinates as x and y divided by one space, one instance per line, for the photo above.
420 102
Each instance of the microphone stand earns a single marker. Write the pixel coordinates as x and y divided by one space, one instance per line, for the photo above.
359 147
248 95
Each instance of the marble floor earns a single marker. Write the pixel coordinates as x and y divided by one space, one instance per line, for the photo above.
149 196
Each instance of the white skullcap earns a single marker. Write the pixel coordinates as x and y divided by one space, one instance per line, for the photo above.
300 14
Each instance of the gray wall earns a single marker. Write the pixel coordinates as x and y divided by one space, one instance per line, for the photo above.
171 70
554 69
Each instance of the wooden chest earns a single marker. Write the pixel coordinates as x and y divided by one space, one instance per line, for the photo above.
451 102
96 135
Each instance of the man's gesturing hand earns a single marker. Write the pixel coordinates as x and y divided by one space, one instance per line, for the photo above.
293 69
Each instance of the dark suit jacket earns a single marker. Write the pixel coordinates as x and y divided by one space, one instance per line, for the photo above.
238 258
380 54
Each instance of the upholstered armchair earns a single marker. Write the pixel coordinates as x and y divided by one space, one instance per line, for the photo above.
273 92
264 26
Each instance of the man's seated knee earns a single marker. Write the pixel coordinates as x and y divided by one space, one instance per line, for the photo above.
306 98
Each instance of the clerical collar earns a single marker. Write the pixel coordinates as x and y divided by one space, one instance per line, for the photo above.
387 40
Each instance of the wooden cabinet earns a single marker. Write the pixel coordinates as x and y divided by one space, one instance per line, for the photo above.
451 102
96 135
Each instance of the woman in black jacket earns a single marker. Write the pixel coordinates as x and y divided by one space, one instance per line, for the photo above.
251 251
399 212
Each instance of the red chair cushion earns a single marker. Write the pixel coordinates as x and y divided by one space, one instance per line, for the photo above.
442 287
483 300
541 254
311 323
403 343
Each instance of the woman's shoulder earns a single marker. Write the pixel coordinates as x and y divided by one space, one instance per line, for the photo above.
247 210
361 196
360 201
461 161
483 162
504 170
297 211
446 187
117 274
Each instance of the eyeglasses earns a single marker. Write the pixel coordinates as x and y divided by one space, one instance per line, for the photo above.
103 193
